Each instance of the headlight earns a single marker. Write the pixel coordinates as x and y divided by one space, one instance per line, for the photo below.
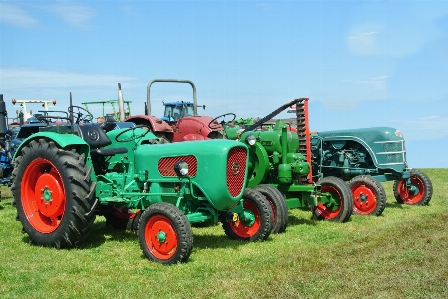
250 139
181 168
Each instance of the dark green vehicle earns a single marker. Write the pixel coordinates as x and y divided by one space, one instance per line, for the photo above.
363 158
66 175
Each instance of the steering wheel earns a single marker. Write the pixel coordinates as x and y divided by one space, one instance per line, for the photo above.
133 137
215 120
81 114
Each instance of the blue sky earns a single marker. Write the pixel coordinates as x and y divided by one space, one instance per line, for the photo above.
361 63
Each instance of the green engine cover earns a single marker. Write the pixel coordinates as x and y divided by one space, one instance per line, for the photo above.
218 168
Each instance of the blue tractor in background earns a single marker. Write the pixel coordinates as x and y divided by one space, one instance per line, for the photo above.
5 152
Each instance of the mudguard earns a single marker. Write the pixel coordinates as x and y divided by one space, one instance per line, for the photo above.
62 140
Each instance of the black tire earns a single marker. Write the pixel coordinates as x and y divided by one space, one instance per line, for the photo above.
278 205
340 193
164 234
53 194
369 196
422 193
122 218
256 204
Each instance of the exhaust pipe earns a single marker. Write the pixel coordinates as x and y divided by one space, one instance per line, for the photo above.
120 103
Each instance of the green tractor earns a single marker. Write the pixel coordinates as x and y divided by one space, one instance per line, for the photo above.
276 161
364 158
66 175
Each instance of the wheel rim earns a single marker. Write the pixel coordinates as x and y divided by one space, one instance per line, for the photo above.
249 227
364 198
329 211
161 238
407 197
43 195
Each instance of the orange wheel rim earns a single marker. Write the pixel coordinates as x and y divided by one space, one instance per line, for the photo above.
244 230
325 211
161 238
404 193
43 195
364 198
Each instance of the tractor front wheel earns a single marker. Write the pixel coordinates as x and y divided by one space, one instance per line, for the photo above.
278 205
369 196
418 193
164 234
254 223
53 194
338 206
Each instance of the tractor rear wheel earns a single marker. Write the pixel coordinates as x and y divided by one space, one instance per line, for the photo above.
122 218
369 196
340 207
256 222
419 193
278 205
164 234
53 194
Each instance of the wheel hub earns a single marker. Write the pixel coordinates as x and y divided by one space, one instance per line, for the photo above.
52 197
249 218
161 236
46 194
413 190
363 197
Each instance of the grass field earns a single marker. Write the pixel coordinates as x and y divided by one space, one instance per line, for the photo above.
401 254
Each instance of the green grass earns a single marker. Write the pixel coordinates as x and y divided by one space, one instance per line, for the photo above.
401 254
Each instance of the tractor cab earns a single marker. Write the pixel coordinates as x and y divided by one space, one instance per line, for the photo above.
177 110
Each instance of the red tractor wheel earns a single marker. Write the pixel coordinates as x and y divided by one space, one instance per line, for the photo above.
278 205
165 234
340 207
418 193
53 194
255 223
369 196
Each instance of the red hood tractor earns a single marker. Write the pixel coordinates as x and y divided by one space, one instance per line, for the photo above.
180 121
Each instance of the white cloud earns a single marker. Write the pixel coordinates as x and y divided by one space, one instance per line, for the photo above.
375 33
15 16
377 83
34 84
72 13
429 117
425 128
16 78
363 43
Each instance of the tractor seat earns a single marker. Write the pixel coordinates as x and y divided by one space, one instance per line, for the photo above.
96 138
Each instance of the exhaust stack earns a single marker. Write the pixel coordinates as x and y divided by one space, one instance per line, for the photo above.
120 103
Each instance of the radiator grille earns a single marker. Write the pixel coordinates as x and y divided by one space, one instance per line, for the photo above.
394 158
236 170
393 147
166 165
